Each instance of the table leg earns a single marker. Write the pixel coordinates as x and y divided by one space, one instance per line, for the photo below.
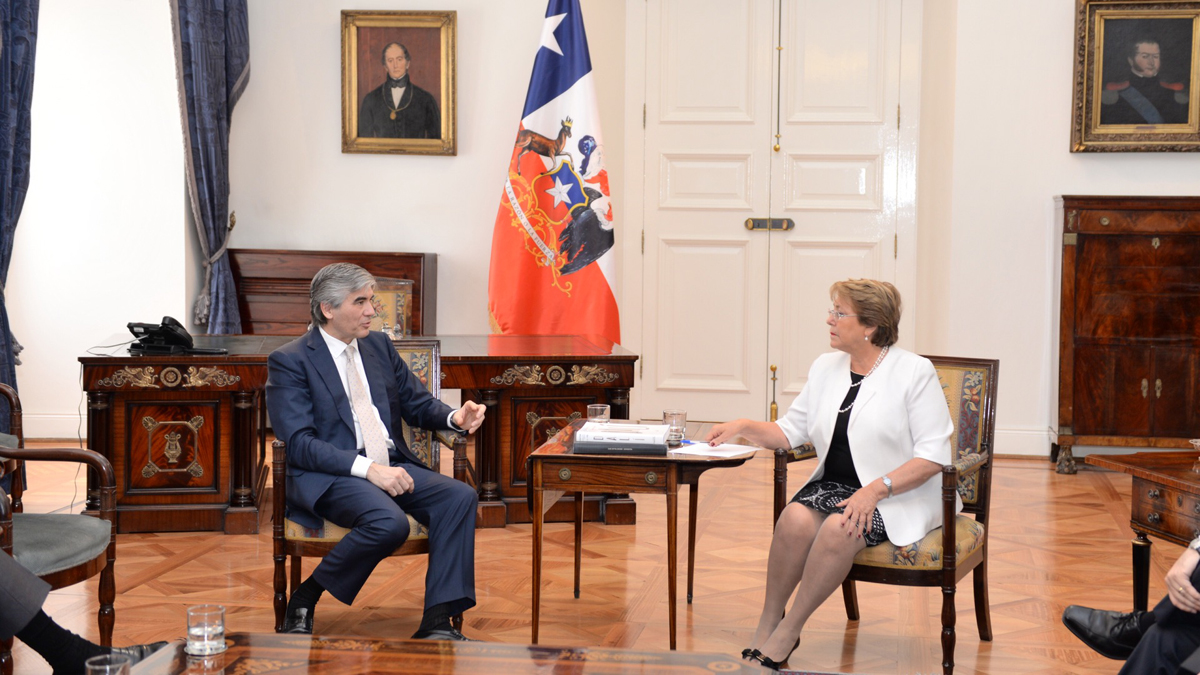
578 538
99 417
693 499
492 510
536 517
672 549
1141 571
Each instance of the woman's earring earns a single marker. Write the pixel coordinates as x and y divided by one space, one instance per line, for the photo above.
866 337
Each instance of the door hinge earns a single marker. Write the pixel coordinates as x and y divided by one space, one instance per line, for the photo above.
643 242
897 117
643 115
641 368
895 246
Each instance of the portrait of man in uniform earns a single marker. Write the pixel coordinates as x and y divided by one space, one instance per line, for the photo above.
398 82
1146 71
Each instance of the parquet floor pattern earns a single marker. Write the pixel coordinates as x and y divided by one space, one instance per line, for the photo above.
1055 540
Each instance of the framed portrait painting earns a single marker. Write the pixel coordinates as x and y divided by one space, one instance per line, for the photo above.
398 90
1137 68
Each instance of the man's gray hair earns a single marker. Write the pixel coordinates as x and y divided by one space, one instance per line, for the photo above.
383 54
332 284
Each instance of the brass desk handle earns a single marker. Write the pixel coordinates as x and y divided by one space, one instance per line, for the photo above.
564 474
651 478
1145 387
1154 518
1158 388
1104 220
1153 493
1196 510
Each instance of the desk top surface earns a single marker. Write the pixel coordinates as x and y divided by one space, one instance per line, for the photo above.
1170 469
453 347
562 445
271 653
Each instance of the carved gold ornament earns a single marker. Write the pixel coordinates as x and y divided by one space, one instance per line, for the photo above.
206 375
556 375
171 377
522 374
588 374
174 449
138 377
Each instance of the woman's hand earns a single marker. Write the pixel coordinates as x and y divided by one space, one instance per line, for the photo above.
860 511
723 433
1179 582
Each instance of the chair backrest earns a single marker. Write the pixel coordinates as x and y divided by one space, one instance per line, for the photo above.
970 388
423 357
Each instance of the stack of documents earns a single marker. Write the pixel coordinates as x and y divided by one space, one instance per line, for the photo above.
621 439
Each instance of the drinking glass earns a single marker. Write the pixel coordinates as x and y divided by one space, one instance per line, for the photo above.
107 664
676 421
598 412
205 630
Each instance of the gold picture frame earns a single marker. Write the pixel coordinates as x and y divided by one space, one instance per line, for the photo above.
417 116
1137 69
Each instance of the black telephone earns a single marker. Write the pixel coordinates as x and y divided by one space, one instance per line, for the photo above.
168 337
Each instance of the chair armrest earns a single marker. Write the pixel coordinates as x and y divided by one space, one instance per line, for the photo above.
461 469
970 464
800 452
92 458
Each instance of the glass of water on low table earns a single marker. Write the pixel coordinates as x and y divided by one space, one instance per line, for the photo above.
205 630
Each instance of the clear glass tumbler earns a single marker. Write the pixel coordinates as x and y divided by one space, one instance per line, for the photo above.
107 664
676 421
205 630
598 412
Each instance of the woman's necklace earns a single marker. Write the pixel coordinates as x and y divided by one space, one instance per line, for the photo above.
878 360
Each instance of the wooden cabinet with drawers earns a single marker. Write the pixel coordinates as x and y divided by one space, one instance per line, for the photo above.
1129 350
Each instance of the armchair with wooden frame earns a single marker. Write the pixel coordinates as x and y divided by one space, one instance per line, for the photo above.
62 549
947 554
295 541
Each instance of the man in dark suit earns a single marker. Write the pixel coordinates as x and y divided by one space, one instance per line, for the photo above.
21 615
336 397
1164 641
398 108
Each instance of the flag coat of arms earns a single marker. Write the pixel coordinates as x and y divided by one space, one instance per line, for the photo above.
552 269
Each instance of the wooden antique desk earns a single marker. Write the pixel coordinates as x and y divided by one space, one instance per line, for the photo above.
186 434
271 653
1166 504
555 469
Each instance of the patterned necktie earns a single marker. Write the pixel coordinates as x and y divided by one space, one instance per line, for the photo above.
372 428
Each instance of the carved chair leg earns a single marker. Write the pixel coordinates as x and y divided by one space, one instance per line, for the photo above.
850 597
948 619
106 616
6 659
983 611
295 575
279 584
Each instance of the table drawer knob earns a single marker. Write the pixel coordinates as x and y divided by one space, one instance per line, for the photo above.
564 474
1154 518
1196 508
651 478
1153 493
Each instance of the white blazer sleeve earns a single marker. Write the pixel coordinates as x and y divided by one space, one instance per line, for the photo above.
928 416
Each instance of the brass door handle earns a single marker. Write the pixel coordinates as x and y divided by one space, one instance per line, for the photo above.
1157 388
1145 387
777 224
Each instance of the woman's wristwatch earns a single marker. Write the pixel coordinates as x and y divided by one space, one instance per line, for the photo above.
887 483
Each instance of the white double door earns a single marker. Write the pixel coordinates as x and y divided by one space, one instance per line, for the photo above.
779 109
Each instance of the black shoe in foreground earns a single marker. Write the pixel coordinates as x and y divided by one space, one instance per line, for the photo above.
138 652
1111 634
451 633
298 620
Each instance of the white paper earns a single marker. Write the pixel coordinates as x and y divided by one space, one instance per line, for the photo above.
722 450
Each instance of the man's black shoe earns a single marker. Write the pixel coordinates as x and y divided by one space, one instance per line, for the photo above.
1111 634
298 620
451 633
138 652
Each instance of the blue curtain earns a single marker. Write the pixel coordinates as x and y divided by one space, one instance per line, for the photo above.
212 62
18 44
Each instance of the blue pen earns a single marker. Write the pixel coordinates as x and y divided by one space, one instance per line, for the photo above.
687 442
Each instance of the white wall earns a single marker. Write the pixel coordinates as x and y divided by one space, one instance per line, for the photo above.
99 240
293 187
998 253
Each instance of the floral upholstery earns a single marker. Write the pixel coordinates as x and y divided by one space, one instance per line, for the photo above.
926 553
422 358
965 387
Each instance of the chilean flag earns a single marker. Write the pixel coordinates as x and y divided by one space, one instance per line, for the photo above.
553 269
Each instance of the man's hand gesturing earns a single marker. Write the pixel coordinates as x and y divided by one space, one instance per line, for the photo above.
393 480
469 416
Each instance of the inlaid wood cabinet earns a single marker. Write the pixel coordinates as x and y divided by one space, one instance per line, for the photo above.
1129 348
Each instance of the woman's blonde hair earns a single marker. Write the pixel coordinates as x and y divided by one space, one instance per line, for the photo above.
877 304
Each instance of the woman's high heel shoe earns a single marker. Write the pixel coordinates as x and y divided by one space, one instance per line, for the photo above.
768 662
749 654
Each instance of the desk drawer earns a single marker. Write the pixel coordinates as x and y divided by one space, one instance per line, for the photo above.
647 477
1165 510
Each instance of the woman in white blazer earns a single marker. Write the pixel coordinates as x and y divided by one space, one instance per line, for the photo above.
881 427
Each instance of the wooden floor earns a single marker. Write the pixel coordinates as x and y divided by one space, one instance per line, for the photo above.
1055 540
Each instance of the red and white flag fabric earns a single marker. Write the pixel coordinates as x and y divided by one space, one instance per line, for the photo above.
553 269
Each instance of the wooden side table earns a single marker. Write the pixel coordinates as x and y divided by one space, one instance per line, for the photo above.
554 469
1166 504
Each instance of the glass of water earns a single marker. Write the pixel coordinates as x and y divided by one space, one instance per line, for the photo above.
205 630
598 412
676 421
108 664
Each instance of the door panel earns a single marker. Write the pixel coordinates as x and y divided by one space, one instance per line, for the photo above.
1173 391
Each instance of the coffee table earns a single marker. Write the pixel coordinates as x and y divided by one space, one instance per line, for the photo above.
554 469
263 653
